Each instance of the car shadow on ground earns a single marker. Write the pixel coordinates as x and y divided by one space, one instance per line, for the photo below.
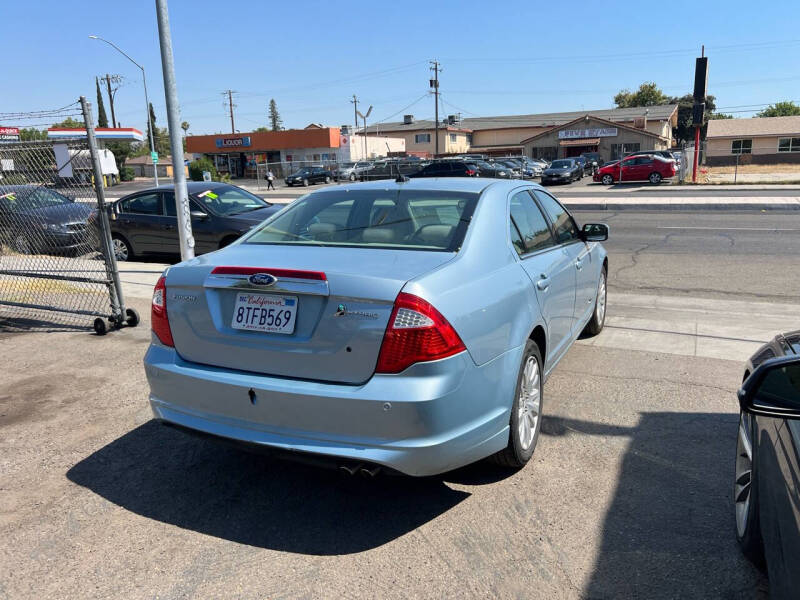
669 530
218 490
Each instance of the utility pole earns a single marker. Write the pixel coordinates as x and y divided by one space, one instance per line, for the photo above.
364 116
111 95
435 87
185 237
354 102
230 105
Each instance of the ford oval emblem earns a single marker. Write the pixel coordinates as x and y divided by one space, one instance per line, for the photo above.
262 279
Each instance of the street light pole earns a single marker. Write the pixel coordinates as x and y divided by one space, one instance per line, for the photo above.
146 100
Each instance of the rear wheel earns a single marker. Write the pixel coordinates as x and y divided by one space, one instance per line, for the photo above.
526 411
607 179
352 176
655 178
745 492
122 249
305 182
327 179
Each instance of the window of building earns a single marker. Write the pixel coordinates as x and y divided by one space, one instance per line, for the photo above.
469 139
422 138
789 145
453 138
741 146
548 153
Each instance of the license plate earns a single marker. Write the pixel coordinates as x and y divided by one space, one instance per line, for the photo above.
260 312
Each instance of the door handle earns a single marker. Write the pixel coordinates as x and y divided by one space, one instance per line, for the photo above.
169 227
543 282
579 264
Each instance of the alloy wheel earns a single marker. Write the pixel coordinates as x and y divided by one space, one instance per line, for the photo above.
529 403
608 180
22 245
600 309
120 249
655 178
744 474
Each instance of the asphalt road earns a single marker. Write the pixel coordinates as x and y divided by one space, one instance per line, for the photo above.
628 494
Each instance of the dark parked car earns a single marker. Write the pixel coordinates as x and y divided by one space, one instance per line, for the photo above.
586 166
145 222
448 168
594 160
766 490
308 175
390 169
563 170
37 220
487 169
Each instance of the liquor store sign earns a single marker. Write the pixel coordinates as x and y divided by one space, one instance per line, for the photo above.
237 142
576 134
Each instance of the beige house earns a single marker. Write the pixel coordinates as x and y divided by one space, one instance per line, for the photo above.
504 135
767 140
591 134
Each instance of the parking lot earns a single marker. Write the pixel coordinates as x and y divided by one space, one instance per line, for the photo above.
628 493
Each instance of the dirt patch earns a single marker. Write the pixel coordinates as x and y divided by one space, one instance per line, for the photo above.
34 399
747 169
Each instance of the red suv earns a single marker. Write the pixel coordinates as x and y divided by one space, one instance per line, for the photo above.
636 168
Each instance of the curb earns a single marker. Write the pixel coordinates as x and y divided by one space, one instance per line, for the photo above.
680 206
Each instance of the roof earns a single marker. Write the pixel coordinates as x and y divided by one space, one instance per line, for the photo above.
661 112
192 187
593 117
763 126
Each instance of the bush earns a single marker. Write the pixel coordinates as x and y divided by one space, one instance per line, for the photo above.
126 174
196 168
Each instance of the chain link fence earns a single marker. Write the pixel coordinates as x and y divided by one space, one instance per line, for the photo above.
55 264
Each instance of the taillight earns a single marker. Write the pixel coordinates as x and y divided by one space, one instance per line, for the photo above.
471 172
417 332
158 313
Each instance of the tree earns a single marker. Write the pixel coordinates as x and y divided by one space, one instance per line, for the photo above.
31 134
70 123
160 136
102 118
684 130
715 116
185 127
780 109
275 120
648 94
151 123
260 129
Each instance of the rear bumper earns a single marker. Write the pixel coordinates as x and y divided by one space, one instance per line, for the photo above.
432 418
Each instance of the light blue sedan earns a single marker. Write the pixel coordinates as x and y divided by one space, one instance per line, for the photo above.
406 325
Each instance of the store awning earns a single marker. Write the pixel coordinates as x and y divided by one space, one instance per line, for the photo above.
580 142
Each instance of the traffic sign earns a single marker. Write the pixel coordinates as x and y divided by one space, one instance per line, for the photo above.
154 156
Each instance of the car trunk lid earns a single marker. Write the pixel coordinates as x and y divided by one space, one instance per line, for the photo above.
344 297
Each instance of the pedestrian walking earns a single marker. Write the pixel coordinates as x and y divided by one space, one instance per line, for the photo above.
270 180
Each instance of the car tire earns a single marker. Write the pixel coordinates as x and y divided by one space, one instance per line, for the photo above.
607 179
22 245
598 320
305 182
526 411
327 179
655 178
745 493
352 176
227 241
122 248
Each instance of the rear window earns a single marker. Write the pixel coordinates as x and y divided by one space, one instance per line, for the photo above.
398 219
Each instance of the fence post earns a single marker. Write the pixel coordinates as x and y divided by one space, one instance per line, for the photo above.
736 170
112 271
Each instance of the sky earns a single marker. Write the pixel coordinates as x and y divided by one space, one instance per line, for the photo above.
311 57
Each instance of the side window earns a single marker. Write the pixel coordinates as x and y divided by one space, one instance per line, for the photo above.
566 230
516 240
146 204
530 223
169 204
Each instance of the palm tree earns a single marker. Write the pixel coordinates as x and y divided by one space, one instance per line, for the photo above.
185 127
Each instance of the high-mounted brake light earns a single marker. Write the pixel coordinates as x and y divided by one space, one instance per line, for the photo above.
417 332
282 273
158 313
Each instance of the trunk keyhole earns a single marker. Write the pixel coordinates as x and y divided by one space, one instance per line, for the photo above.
349 349
252 395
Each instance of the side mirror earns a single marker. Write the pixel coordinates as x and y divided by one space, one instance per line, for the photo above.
773 389
594 232
198 214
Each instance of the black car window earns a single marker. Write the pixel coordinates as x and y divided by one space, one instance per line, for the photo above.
146 204
564 225
169 204
229 200
530 223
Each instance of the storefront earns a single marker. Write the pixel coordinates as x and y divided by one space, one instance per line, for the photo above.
591 134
